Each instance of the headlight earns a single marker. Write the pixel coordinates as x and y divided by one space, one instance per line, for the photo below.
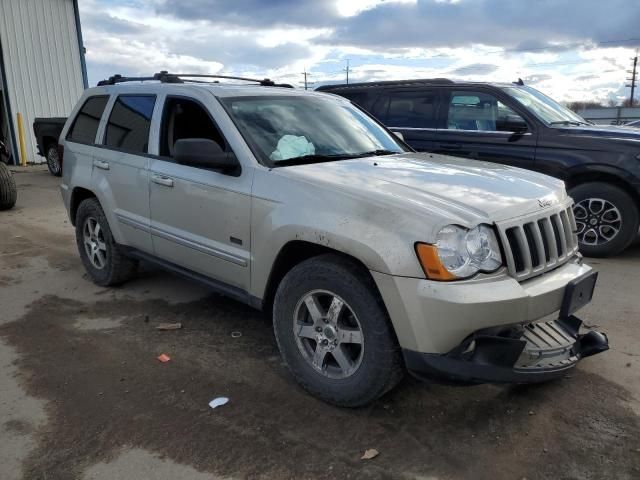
460 253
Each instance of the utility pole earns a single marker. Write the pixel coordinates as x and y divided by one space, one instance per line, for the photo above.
347 70
633 73
306 82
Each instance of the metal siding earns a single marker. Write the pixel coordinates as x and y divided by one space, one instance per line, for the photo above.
42 61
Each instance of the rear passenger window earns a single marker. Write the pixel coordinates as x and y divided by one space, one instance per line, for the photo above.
85 126
129 123
184 118
416 109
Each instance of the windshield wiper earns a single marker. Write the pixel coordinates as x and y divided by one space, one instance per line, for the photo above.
568 122
375 153
314 158
317 158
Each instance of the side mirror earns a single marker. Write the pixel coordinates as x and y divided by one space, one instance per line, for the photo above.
399 135
515 124
203 153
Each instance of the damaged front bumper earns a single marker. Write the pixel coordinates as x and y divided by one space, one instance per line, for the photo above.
530 353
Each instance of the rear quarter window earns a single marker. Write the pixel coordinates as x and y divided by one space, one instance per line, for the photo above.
85 125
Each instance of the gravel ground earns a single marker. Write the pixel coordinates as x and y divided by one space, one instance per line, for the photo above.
83 396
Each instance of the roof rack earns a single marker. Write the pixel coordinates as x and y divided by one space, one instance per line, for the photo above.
166 77
382 83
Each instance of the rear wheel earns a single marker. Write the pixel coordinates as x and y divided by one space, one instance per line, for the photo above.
8 190
607 218
334 333
53 160
102 257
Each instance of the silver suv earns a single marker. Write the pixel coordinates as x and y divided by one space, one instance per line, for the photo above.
372 259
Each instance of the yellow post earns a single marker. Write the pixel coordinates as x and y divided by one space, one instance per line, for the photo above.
21 140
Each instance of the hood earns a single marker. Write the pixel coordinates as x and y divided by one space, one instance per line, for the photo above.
461 191
609 134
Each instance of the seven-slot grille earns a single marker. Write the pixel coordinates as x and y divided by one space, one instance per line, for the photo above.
538 243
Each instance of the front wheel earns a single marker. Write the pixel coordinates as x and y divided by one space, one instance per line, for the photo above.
606 218
53 160
334 333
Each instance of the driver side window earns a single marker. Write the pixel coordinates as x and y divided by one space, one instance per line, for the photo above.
479 111
184 118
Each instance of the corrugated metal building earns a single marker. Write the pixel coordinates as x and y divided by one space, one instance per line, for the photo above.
42 69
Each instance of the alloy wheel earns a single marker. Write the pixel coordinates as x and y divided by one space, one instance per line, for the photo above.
328 334
94 244
598 221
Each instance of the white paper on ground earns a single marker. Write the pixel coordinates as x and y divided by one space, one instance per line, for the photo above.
217 402
291 146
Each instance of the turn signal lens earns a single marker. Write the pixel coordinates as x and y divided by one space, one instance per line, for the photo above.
431 263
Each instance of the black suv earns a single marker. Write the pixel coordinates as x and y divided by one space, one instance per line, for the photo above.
517 125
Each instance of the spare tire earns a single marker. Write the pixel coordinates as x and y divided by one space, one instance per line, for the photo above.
8 190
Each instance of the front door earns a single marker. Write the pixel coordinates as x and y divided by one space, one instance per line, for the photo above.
480 126
200 218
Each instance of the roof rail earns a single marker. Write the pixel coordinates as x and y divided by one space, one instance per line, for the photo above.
166 77
382 83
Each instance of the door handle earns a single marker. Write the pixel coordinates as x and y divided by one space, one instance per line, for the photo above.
101 164
162 180
450 146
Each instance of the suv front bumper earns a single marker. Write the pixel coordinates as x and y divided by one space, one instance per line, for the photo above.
520 354
435 317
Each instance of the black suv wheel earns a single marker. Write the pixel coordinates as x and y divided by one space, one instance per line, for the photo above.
607 218
334 333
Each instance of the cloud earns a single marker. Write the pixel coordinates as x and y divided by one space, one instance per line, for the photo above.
562 47
474 69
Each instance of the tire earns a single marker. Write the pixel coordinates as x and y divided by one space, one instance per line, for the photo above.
8 190
53 161
607 218
108 265
375 364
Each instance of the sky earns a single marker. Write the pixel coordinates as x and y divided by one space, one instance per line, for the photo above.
572 50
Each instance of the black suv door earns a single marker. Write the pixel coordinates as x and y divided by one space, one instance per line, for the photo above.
412 112
482 125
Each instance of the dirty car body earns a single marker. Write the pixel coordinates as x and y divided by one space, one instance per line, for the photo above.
301 179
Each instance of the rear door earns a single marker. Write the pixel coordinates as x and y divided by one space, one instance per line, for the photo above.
412 112
481 126
200 218
121 170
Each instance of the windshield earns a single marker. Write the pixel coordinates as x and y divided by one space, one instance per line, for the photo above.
546 109
286 130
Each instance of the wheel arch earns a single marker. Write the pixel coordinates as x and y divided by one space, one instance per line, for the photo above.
295 252
612 177
46 141
78 195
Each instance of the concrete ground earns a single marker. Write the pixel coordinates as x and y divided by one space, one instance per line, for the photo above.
82 395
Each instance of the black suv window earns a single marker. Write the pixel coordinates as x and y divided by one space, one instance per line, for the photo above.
129 123
184 118
479 111
85 125
412 109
